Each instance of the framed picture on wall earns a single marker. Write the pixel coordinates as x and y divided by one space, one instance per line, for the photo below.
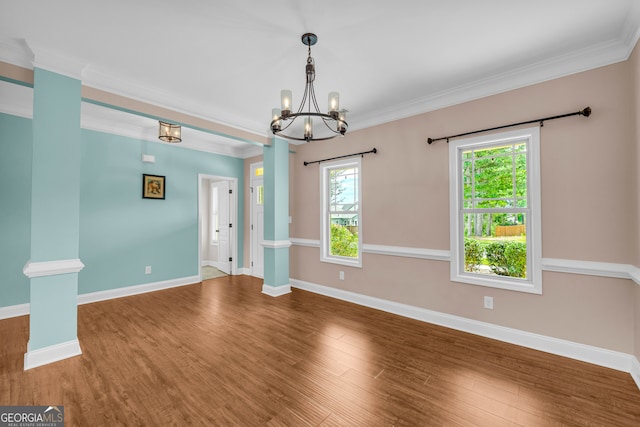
153 186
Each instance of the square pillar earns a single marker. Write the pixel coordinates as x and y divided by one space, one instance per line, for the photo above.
276 218
55 219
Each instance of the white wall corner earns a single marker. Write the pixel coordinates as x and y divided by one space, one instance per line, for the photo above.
52 353
276 291
52 268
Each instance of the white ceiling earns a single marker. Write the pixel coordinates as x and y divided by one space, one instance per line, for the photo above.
227 61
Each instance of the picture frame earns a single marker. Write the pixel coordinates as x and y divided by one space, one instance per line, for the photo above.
153 186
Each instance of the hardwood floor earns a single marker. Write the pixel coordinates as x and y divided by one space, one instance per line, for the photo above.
222 353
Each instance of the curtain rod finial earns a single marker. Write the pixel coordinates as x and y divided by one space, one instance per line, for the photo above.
586 112
430 141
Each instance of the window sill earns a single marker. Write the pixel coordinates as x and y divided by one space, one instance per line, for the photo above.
499 283
343 261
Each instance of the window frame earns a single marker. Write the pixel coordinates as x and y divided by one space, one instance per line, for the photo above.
533 283
325 216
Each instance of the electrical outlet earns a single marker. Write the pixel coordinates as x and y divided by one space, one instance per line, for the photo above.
488 303
342 275
147 269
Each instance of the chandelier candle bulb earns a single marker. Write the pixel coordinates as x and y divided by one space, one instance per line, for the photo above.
334 103
275 120
308 128
342 122
285 97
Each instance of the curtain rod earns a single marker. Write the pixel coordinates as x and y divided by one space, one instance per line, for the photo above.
585 112
374 151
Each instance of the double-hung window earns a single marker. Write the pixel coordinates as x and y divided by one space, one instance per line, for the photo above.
495 210
341 233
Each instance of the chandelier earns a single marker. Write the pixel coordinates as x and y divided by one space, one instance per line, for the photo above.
328 126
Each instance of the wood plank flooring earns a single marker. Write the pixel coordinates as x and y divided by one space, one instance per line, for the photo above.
220 353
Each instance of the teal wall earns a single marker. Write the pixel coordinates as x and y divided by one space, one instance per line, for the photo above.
15 208
120 232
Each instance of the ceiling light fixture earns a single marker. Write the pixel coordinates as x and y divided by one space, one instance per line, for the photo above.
334 122
169 132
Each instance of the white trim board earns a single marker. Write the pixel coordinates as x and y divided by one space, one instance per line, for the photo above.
14 311
590 268
635 371
136 289
91 297
276 244
50 354
586 353
276 291
52 268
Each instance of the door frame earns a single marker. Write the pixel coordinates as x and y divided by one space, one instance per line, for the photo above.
253 244
233 215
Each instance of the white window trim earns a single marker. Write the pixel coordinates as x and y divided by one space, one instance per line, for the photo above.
533 284
325 240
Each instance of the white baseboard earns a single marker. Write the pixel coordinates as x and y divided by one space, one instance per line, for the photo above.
208 263
635 370
246 271
50 354
24 309
586 353
14 311
276 291
135 290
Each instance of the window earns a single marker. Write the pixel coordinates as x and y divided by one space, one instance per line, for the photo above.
215 218
495 210
341 240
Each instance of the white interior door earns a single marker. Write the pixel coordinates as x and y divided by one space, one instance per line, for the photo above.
257 221
224 249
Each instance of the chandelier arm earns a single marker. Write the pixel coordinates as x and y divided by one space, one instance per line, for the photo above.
313 97
324 120
304 98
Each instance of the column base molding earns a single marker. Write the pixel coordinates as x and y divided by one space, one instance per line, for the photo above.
52 353
276 291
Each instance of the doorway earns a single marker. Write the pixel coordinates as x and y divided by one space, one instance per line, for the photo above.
217 230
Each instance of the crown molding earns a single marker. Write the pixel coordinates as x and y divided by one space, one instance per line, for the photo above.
596 56
55 62
138 91
16 52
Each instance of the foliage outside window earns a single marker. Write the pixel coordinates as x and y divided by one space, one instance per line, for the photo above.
495 206
341 238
